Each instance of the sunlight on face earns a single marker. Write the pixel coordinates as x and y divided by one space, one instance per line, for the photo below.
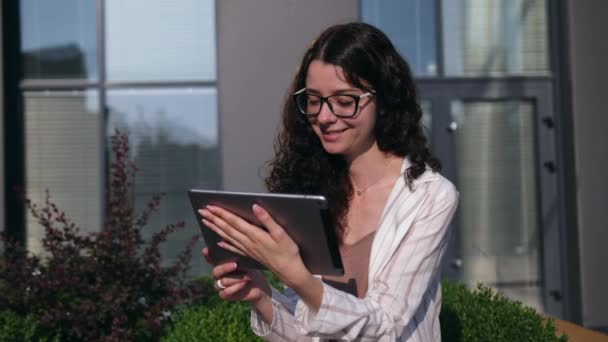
346 136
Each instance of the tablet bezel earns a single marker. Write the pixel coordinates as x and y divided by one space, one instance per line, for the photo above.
304 217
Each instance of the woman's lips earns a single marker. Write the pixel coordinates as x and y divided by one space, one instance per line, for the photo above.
333 135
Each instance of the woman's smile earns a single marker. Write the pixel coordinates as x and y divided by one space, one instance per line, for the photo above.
332 135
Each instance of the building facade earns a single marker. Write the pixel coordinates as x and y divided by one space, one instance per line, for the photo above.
511 90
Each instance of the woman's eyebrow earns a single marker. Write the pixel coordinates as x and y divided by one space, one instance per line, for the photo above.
337 91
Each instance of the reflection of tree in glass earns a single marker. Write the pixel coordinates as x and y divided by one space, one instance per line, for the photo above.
158 126
172 158
61 61
504 37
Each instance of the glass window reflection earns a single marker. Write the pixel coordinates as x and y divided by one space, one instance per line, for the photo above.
58 39
495 37
62 129
159 40
497 177
410 25
173 134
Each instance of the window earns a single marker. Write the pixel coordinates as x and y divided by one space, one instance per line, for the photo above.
160 40
495 37
411 27
484 79
152 75
59 39
64 155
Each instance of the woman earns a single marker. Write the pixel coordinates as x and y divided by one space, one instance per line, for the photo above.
351 132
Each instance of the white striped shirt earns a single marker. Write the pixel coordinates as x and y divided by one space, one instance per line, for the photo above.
403 299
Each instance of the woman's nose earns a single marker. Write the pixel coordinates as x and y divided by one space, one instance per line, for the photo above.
326 115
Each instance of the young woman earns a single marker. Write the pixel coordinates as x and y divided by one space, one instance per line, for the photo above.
351 132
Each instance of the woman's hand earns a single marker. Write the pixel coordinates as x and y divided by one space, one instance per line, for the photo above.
242 285
238 285
272 247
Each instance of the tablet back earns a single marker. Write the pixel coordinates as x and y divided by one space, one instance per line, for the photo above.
304 217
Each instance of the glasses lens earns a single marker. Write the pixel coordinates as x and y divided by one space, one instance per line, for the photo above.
308 104
343 105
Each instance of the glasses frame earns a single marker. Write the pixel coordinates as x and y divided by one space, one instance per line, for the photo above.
325 99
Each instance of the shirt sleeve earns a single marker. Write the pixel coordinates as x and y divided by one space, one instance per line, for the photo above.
390 307
282 327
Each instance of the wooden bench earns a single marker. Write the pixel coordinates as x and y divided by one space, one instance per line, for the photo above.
577 333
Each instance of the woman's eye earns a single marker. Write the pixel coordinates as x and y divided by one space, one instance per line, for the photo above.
344 101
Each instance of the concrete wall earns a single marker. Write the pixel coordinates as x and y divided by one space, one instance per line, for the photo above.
589 73
260 44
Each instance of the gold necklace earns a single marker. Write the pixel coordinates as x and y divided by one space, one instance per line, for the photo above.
361 191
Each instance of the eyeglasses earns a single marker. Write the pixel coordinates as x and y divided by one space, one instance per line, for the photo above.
342 105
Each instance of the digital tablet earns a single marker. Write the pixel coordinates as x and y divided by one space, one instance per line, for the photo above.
304 217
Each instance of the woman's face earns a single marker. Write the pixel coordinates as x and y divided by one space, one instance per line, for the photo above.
348 136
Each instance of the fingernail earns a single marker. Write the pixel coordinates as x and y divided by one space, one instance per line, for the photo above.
235 266
256 208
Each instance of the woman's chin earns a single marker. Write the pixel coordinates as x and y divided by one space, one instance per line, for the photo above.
334 148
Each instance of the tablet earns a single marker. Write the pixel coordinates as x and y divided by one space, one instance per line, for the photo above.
304 217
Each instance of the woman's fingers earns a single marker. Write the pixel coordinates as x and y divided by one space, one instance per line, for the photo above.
234 224
226 276
264 216
231 279
271 246
230 290
220 227
206 255
222 270
229 282
229 226
225 245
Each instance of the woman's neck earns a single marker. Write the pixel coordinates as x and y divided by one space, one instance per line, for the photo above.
370 166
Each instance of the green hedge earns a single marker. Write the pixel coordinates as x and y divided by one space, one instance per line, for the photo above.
485 315
478 315
222 321
211 319
15 328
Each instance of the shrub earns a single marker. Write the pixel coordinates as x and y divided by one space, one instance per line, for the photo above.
486 315
211 319
14 328
222 321
108 285
479 315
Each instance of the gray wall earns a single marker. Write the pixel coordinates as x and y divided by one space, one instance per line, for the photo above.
589 73
259 46
1 132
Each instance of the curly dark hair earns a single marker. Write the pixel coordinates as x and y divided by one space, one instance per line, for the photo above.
369 62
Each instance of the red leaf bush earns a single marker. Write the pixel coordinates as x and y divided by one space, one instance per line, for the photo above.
109 285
